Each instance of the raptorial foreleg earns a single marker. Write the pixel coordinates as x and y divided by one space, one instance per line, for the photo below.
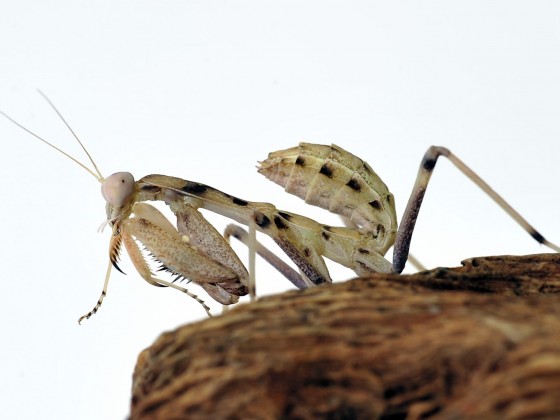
199 234
145 272
178 254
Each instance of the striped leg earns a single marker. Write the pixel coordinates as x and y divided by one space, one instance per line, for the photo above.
404 234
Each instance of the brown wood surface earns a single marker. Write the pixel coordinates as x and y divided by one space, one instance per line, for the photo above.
478 341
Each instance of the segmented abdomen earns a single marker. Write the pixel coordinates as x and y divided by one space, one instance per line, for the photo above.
334 179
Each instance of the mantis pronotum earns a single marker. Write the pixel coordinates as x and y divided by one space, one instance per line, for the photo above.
325 176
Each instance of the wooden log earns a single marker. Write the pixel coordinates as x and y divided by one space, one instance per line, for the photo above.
478 341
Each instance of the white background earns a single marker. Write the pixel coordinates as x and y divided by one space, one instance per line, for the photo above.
202 90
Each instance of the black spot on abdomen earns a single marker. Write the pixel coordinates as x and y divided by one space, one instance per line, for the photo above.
354 185
326 170
375 204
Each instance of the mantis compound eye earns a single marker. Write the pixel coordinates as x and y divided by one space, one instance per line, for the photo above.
117 188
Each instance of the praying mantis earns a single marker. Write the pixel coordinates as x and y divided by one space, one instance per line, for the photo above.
325 176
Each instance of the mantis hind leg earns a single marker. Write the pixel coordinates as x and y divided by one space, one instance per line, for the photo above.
404 234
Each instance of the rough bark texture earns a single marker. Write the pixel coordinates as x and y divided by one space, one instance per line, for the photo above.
478 341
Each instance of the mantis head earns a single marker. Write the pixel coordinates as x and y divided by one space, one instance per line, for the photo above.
117 188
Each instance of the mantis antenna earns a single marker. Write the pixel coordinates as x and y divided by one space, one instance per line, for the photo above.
96 174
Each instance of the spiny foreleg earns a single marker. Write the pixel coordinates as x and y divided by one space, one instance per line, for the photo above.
202 236
145 272
178 255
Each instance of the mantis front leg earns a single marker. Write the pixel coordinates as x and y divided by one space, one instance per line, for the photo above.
188 252
202 236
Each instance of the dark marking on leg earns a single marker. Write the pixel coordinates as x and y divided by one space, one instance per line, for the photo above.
295 255
300 161
325 170
239 201
354 185
325 235
306 252
429 163
280 223
363 251
261 220
537 237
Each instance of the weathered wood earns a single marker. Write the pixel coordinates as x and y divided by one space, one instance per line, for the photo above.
478 341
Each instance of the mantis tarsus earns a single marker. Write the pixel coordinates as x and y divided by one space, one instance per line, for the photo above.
325 176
